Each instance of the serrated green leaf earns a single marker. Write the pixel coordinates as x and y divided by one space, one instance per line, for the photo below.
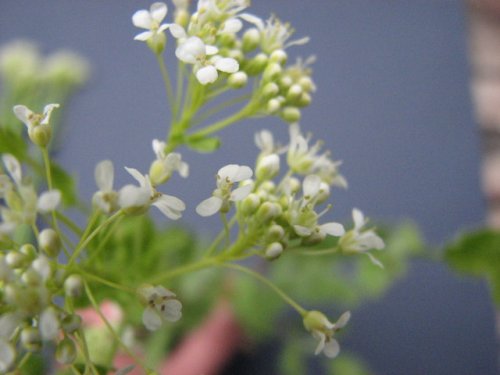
204 145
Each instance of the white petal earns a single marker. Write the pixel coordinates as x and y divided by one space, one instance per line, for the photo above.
151 319
104 175
207 74
358 217
375 261
162 28
343 320
240 193
191 50
47 111
228 172
138 176
7 356
13 167
133 196
257 21
49 324
244 173
158 11
172 310
211 50
159 148
209 206
264 141
369 240
321 344
48 201
162 291
301 230
232 25
24 114
333 229
168 206
144 36
311 185
227 65
332 348
177 31
142 19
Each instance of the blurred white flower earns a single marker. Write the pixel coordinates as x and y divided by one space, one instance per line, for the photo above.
151 21
166 164
323 330
162 305
106 199
31 119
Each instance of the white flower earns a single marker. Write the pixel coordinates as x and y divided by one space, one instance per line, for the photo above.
7 356
48 201
360 240
323 330
49 324
161 305
151 21
13 167
106 199
166 164
194 51
227 176
138 198
31 119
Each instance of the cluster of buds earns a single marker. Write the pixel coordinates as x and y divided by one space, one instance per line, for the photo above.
30 283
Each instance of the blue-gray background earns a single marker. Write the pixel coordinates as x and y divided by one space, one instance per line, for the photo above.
393 103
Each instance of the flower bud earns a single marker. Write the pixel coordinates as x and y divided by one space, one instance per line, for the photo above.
291 114
28 250
273 105
272 72
268 211
250 204
323 193
307 83
66 352
16 259
227 40
256 65
181 17
275 233
270 90
267 186
315 321
294 185
71 323
267 167
157 173
40 135
294 92
157 43
237 80
279 56
274 250
73 286
49 242
236 54
31 277
30 339
251 39
304 100
286 81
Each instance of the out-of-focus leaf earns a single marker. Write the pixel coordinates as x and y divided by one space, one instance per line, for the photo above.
204 145
292 361
478 254
12 143
348 364
65 183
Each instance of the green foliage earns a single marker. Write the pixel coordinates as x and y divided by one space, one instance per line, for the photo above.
65 183
204 144
348 364
292 358
12 143
477 253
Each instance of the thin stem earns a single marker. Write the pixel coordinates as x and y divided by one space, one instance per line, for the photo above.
213 246
329 251
111 329
103 241
226 229
80 336
109 283
89 238
69 223
180 88
221 107
166 80
269 283
203 263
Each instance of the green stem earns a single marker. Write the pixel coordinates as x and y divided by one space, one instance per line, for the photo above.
203 263
109 283
69 223
269 283
221 107
329 251
166 80
213 246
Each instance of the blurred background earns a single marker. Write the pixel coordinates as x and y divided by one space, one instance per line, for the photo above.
393 103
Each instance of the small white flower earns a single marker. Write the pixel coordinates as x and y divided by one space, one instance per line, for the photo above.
227 176
194 51
106 199
48 201
166 164
7 356
151 21
139 198
323 330
49 324
13 167
360 240
31 119
162 305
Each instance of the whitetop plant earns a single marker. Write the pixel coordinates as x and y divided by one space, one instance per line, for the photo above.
276 212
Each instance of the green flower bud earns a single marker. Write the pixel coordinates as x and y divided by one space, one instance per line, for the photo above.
71 323
237 80
31 277
286 81
40 135
268 211
291 114
279 56
227 40
66 352
251 39
157 173
294 92
273 251
182 17
272 72
267 186
315 321
49 242
267 167
29 251
255 65
304 100
30 339
16 259
270 90
250 204
73 286
275 233
157 43
307 83
273 105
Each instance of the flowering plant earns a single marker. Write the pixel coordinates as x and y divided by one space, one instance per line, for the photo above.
274 212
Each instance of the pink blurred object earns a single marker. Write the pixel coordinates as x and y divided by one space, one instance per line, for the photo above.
111 311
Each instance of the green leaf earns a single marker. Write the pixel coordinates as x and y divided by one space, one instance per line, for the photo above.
204 145
348 364
478 254
292 359
12 143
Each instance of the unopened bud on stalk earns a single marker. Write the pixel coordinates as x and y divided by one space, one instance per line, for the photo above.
272 72
294 92
71 323
267 167
40 135
268 211
15 259
273 105
306 83
270 90
66 352
275 233
274 250
73 286
28 250
251 39
279 56
304 100
237 80
250 204
256 65
291 114
49 242
157 43
30 339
